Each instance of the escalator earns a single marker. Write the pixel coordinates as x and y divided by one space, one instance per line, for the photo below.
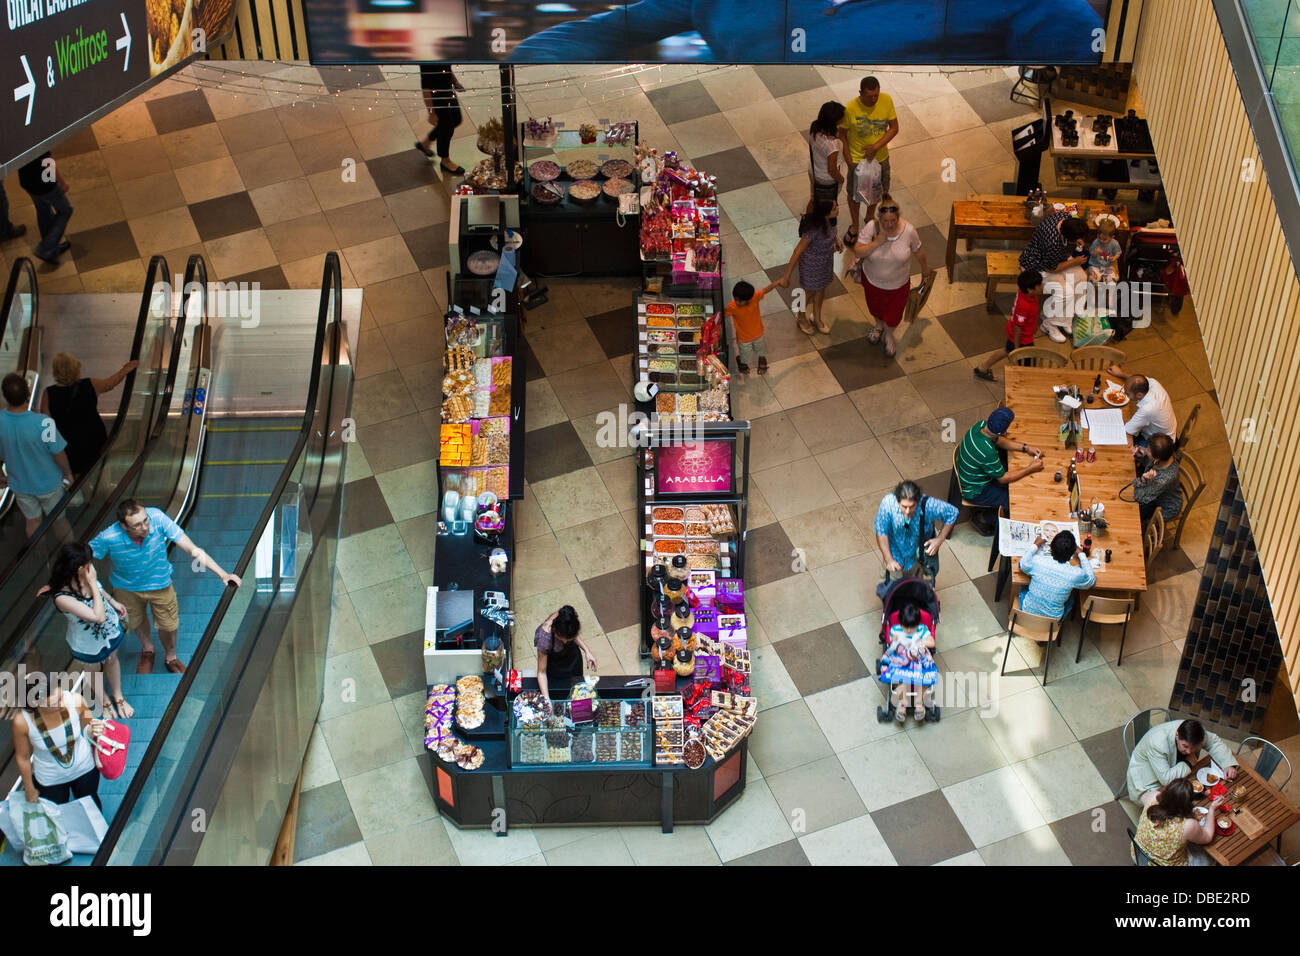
258 490
26 347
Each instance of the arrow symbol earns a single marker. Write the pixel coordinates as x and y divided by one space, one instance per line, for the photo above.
124 42
27 90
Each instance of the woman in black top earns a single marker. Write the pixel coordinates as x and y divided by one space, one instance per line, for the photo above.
440 86
73 403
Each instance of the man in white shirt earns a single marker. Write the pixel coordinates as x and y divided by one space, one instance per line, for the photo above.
1154 414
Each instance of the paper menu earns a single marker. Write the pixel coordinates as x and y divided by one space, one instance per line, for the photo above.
1016 538
1105 426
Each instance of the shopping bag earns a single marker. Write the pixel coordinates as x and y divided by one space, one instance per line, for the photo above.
84 824
37 830
918 297
110 749
868 176
1091 330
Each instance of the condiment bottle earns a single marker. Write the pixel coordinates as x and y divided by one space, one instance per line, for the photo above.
673 589
655 579
684 663
679 569
662 652
687 638
683 616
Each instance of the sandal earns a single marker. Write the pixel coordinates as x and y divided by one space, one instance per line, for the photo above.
458 171
874 336
986 375
822 327
851 237
804 325
900 715
762 365
109 712
124 710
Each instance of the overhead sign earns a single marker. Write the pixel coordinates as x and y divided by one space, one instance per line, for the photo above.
929 32
63 61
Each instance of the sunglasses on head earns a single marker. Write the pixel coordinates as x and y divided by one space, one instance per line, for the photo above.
884 209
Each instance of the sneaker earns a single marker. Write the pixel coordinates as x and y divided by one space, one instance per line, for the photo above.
985 374
762 365
1055 334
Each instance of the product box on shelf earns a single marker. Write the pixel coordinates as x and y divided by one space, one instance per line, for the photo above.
729 596
706 621
732 630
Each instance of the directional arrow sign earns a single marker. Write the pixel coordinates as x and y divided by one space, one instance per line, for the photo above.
28 90
124 42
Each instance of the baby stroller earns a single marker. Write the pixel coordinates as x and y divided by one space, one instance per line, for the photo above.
919 593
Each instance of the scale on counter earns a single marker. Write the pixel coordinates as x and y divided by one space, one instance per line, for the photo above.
453 627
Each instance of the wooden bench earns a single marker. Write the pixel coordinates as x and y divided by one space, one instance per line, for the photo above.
1002 267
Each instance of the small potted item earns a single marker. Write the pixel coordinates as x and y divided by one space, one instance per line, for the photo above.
684 663
587 132
674 589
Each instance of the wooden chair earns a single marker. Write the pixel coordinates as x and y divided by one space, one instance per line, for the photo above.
1002 267
1034 627
1191 483
1096 358
1106 610
999 560
1153 538
1035 357
954 490
1185 434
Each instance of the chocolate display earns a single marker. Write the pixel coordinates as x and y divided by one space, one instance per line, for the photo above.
584 748
606 748
630 747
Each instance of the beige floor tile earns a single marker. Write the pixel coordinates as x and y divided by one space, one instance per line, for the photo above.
889 406
291 199
529 520
801 379
124 277
795 488
849 586
773 242
565 348
887 771
420 207
383 137
131 160
754 822
704 136
915 450
129 123
994 806
573 499
925 346
372 557
367 739
753 206
379 259
847 714
829 424
390 798
1027 724
774 440
97 207
781 156
419 536
598 547
251 131
735 87
826 535
243 252
1036 847
957 748
540 566
318 767
970 675
326 151
216 177
1092 701
1063 782
334 191
1148 676
620 478
685 846
587 390
791 606
300 238
267 166
857 469
544 409
751 397
407 491
352 683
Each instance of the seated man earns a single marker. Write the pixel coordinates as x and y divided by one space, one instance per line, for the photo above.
983 477
1053 577
1167 753
1154 414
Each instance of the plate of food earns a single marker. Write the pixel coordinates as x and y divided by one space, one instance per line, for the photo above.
584 191
548 194
544 171
1115 395
1209 775
582 169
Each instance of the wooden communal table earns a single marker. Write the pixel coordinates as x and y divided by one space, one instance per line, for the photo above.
1267 805
1037 497
1004 219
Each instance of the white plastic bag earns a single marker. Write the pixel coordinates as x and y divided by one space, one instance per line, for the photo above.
868 181
84 824
37 829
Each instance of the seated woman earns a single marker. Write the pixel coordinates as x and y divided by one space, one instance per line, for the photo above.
1053 576
908 664
1168 825
1157 484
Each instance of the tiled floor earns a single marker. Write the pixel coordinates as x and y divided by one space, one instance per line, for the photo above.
254 181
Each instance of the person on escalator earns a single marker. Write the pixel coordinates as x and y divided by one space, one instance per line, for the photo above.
142 575
32 454
96 623
73 403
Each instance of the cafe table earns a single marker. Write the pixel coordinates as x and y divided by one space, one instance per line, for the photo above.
1265 803
1003 218
1039 497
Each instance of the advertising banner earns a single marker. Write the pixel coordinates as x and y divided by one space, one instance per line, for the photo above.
923 32
65 60
695 468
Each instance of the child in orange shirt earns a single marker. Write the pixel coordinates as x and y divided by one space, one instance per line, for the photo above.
748 323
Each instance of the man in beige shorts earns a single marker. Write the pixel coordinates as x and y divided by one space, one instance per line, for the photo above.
142 575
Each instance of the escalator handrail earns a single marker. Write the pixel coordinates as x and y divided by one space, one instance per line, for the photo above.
20 266
331 281
128 386
137 466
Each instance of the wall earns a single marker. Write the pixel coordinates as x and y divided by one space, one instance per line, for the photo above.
265 30
1243 283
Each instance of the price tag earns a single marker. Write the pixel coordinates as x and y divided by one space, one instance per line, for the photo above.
559 125
603 122
581 711
474 310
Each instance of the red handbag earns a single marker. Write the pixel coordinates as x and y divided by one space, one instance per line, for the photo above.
110 749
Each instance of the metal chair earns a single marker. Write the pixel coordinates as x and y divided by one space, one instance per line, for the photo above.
1034 356
1268 758
1096 358
1191 482
1034 83
1185 434
1139 855
1106 610
1034 627
1137 727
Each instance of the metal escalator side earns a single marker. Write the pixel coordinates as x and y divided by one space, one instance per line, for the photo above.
257 671
35 637
17 334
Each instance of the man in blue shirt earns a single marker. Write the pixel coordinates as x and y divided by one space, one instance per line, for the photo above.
1053 577
835 31
900 528
142 575
31 451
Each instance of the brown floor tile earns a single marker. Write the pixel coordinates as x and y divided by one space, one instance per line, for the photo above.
768 555
271 278
400 172
397 443
428 246
922 831
415 341
401 662
553 451
616 330
78 143
735 168
227 215
1086 845
974 330
128 161
364 508
789 853
326 821
318 152
105 246
172 113
857 364
821 659
1106 751
616 598
681 102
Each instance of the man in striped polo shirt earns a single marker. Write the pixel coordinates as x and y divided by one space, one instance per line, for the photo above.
983 477
142 575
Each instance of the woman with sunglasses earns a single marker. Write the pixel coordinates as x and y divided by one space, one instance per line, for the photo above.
885 249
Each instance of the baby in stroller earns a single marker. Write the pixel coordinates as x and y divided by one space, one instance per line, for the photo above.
908 667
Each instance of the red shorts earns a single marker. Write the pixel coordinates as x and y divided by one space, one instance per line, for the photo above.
886 305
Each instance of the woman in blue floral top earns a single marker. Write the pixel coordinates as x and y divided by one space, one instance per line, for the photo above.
95 620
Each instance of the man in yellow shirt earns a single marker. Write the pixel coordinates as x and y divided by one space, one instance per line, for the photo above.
868 125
